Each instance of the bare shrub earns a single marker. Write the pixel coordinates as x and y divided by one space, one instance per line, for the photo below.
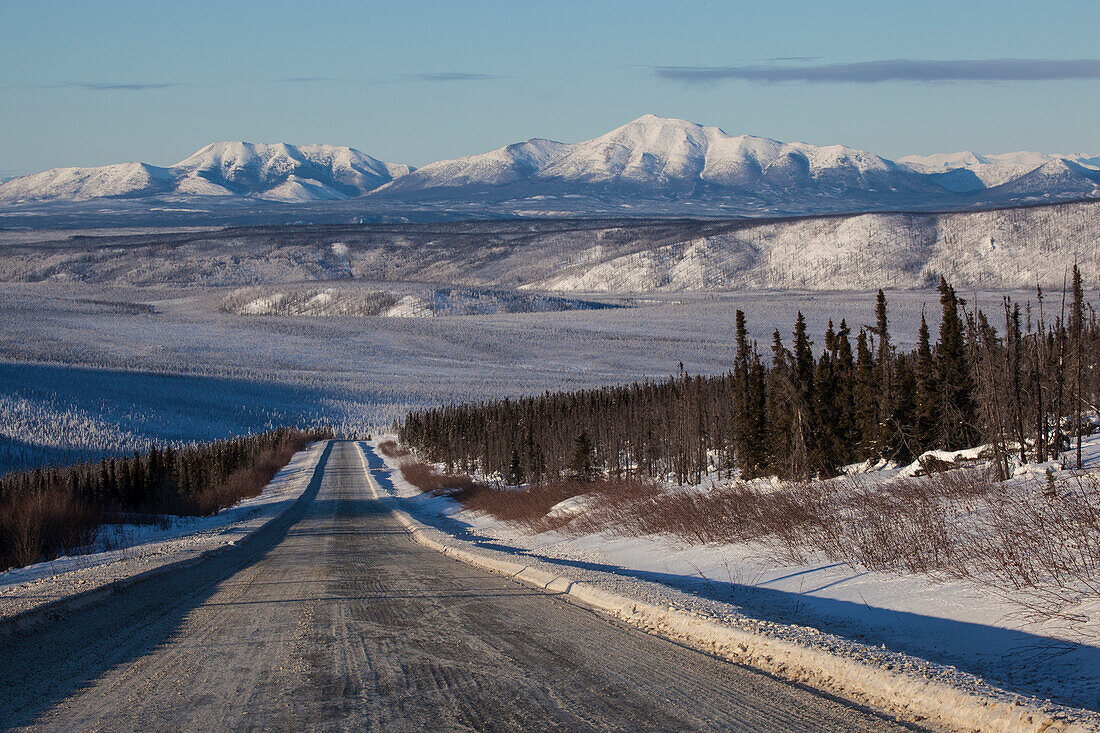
428 479
390 449
243 483
38 525
526 506
1037 548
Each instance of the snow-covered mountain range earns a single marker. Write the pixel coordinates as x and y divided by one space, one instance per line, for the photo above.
650 164
277 172
652 155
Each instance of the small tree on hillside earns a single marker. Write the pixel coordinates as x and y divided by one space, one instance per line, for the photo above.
581 463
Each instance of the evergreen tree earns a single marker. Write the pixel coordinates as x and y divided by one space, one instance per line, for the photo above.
137 495
846 432
741 395
804 424
866 400
778 408
125 482
515 471
927 398
957 415
903 446
581 462
754 453
887 440
825 456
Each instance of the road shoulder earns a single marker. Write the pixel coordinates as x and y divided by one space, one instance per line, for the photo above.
46 590
909 688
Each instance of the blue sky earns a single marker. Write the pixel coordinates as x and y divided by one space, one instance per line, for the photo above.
89 83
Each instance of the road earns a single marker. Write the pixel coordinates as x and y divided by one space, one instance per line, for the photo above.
332 618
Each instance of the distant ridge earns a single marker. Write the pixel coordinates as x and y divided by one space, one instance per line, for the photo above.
651 164
239 169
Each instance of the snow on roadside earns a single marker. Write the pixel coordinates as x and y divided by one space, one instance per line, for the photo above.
139 549
953 632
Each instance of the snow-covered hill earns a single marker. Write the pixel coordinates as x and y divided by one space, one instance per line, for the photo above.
78 184
656 153
658 157
498 167
1012 248
251 170
287 172
969 171
996 249
1059 177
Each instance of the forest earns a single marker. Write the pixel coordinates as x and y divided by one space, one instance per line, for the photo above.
45 512
1022 382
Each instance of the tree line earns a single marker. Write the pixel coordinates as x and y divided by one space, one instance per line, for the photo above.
46 511
1026 390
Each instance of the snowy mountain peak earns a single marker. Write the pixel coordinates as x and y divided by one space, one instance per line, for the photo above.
502 166
257 170
283 171
943 161
81 184
968 171
650 124
678 155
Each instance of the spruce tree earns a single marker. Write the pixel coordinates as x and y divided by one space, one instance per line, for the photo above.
957 416
903 446
845 396
866 400
778 407
825 456
741 417
581 462
515 471
886 441
754 455
804 424
927 406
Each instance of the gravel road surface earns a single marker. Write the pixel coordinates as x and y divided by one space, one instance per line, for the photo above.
332 618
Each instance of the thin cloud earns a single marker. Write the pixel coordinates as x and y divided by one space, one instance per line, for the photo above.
893 70
795 58
306 79
108 86
447 76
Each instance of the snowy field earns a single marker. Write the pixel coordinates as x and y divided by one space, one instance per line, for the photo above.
87 370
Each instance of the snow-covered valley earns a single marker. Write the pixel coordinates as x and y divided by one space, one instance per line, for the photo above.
116 338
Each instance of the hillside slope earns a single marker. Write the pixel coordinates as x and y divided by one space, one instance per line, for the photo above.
998 249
